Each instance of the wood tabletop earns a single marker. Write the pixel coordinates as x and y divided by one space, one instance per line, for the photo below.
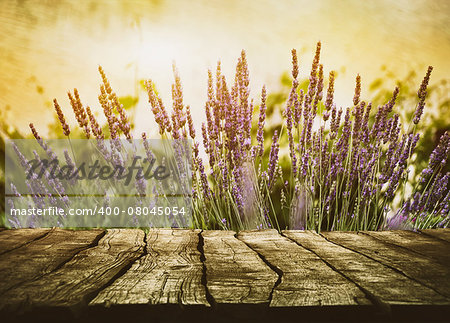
182 275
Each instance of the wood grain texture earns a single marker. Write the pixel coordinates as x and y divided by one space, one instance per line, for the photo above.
306 280
442 234
72 285
420 243
118 277
387 285
170 273
41 256
235 274
416 266
15 238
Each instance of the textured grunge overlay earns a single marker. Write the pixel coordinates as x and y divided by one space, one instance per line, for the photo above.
90 183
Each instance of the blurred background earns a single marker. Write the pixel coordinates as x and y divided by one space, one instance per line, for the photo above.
50 47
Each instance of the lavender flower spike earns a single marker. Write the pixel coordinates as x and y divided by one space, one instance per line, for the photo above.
357 90
62 120
422 93
273 159
329 99
262 118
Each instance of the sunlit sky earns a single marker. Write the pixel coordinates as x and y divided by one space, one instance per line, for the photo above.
50 47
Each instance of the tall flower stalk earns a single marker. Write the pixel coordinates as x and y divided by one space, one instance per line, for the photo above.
352 171
348 167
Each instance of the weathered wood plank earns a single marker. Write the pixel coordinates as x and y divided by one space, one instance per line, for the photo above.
319 278
72 285
43 255
412 264
443 234
15 238
385 284
235 274
170 273
306 280
425 245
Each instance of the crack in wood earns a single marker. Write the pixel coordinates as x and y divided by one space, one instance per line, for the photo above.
433 236
236 274
80 278
417 243
168 275
28 242
386 265
389 243
36 260
62 263
306 280
383 307
442 234
274 268
89 297
200 248
192 275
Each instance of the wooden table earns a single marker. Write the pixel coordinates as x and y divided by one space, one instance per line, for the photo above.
172 275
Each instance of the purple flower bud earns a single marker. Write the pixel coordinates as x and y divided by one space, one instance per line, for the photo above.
422 93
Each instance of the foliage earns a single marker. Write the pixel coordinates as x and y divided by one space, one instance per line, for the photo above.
316 166
341 176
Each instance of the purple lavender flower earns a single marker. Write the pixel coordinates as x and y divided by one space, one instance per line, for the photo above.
204 179
62 120
262 118
397 222
394 181
273 159
294 64
330 94
438 157
291 140
95 127
319 90
343 142
313 78
335 121
79 111
357 90
422 93
298 101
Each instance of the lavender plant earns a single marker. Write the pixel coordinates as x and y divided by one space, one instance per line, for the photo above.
236 191
349 168
353 172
